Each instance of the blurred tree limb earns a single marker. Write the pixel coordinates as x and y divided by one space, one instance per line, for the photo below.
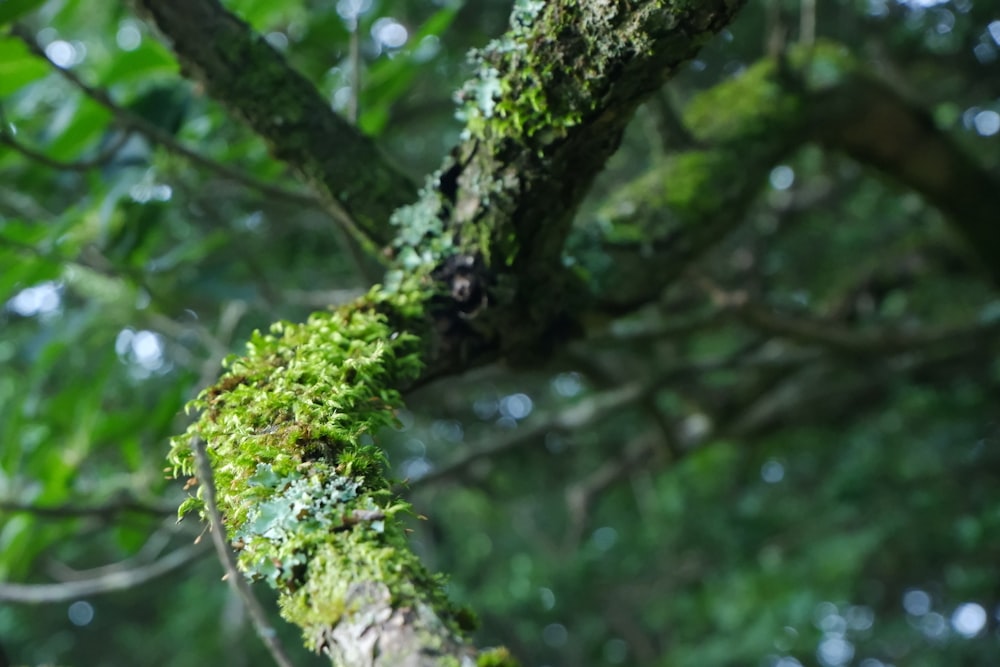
132 122
117 580
254 81
666 219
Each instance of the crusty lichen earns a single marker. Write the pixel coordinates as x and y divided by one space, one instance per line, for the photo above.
551 68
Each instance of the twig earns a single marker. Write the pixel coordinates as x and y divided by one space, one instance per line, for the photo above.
114 581
581 495
73 511
580 414
152 548
8 139
354 102
154 133
674 134
258 616
812 330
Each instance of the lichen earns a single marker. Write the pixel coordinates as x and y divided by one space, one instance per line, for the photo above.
527 90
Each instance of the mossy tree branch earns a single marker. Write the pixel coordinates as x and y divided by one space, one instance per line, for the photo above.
661 222
254 81
290 427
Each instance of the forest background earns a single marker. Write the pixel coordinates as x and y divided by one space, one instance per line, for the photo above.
732 403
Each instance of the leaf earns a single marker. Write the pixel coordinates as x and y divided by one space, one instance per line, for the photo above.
17 66
389 78
11 10
88 122
150 59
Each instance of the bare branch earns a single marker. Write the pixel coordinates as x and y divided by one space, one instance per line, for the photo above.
105 511
135 123
113 581
811 330
574 417
236 579
581 495
8 139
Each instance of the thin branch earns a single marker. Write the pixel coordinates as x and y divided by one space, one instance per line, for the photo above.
115 581
135 123
258 616
585 412
581 495
674 135
8 139
106 511
357 184
807 22
355 99
152 548
831 334
321 298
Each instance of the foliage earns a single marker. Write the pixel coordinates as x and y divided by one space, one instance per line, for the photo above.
775 443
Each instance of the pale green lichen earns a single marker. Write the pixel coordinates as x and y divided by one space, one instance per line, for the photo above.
516 92
421 242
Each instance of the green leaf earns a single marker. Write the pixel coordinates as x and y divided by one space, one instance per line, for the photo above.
11 10
89 121
149 60
18 67
389 78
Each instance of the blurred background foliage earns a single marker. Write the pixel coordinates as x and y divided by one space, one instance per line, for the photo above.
686 485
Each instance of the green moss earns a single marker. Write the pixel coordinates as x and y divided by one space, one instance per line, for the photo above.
303 391
496 657
744 108
290 429
529 91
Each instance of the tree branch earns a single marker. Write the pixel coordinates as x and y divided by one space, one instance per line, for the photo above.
73 511
254 81
589 410
8 139
135 123
880 341
107 583
265 631
477 272
686 205
873 124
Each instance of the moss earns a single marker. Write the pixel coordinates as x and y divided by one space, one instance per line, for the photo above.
531 91
753 102
289 430
496 657
318 386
